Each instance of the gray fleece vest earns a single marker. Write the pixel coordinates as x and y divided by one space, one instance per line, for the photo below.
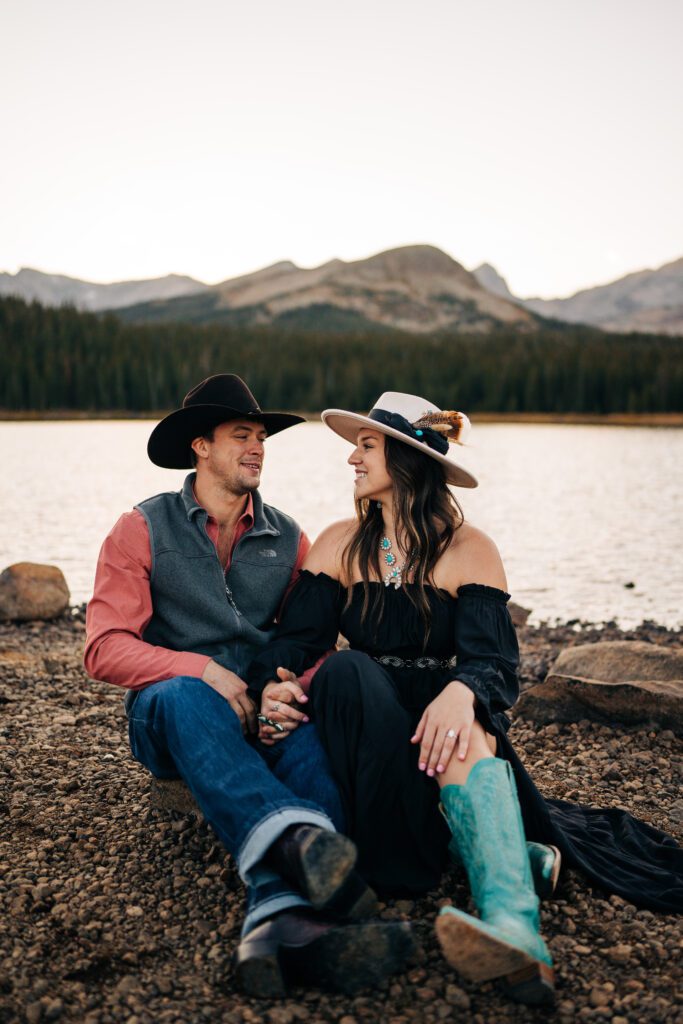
197 607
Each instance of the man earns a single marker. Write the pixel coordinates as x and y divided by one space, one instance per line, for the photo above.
187 589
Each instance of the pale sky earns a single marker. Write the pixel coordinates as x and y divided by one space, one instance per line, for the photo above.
216 137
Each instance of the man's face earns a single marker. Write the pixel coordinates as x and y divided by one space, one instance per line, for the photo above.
234 458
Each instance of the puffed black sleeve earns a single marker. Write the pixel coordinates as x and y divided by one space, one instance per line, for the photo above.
308 627
487 652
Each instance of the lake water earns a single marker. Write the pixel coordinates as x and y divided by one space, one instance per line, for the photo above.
577 511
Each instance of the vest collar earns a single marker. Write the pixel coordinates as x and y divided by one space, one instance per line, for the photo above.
262 523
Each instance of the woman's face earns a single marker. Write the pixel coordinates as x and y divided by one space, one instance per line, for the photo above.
367 458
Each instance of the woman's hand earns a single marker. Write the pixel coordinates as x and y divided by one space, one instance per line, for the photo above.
445 725
280 702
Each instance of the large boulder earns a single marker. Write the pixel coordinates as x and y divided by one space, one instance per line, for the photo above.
32 591
618 681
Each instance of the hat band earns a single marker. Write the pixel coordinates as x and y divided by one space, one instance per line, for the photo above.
432 438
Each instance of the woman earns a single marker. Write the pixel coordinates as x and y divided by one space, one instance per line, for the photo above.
413 715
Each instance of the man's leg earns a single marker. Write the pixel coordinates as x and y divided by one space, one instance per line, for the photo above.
183 724
300 763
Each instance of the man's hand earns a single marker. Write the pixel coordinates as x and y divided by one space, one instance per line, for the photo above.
230 686
280 702
444 727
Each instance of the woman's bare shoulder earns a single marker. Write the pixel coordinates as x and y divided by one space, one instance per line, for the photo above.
472 557
470 537
327 550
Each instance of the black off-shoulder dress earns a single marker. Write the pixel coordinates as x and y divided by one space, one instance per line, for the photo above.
366 710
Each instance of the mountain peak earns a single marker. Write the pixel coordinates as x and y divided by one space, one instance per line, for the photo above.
420 258
489 278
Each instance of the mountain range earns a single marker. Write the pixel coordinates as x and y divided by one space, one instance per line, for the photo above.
58 290
415 288
648 300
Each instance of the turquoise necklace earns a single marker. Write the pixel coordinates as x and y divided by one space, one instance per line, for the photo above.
395 574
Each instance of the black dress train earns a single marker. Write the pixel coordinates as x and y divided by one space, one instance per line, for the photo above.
366 712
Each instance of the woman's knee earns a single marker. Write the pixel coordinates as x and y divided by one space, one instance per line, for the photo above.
478 747
345 675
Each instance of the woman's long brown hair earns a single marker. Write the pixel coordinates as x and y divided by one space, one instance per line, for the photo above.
426 518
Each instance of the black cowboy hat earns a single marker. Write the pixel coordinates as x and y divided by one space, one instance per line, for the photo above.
217 399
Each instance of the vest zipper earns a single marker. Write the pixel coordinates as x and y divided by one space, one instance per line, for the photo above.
231 599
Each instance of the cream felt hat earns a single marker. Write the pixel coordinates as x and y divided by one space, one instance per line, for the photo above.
416 422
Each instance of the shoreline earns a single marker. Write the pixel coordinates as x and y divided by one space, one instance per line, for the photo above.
615 419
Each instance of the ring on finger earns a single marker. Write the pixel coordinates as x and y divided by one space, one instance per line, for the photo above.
275 706
451 734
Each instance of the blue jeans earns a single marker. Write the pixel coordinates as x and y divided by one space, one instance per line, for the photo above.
248 792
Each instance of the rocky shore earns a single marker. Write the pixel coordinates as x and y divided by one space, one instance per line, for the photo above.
111 910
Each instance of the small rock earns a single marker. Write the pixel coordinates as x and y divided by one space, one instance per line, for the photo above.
33 1012
426 994
620 954
126 985
676 811
172 795
54 1009
457 997
598 997
518 614
65 720
41 892
135 911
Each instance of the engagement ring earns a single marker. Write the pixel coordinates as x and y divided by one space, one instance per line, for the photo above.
275 707
451 734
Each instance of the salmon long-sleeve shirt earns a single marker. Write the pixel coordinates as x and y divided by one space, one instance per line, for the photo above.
121 606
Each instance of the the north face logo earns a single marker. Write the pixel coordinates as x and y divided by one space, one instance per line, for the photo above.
269 553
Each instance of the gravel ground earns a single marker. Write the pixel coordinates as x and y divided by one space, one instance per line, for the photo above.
111 911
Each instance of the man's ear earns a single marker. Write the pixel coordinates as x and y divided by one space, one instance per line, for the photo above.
200 447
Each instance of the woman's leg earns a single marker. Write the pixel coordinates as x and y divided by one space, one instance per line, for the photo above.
545 861
480 803
481 745
390 806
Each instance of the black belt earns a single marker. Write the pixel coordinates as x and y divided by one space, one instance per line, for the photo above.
424 661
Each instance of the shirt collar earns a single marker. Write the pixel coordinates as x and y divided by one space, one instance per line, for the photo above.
192 506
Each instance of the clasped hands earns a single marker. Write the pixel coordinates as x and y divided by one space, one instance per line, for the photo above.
281 707
445 725
280 702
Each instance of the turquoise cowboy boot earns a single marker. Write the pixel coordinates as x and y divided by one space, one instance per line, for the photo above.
505 943
545 863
